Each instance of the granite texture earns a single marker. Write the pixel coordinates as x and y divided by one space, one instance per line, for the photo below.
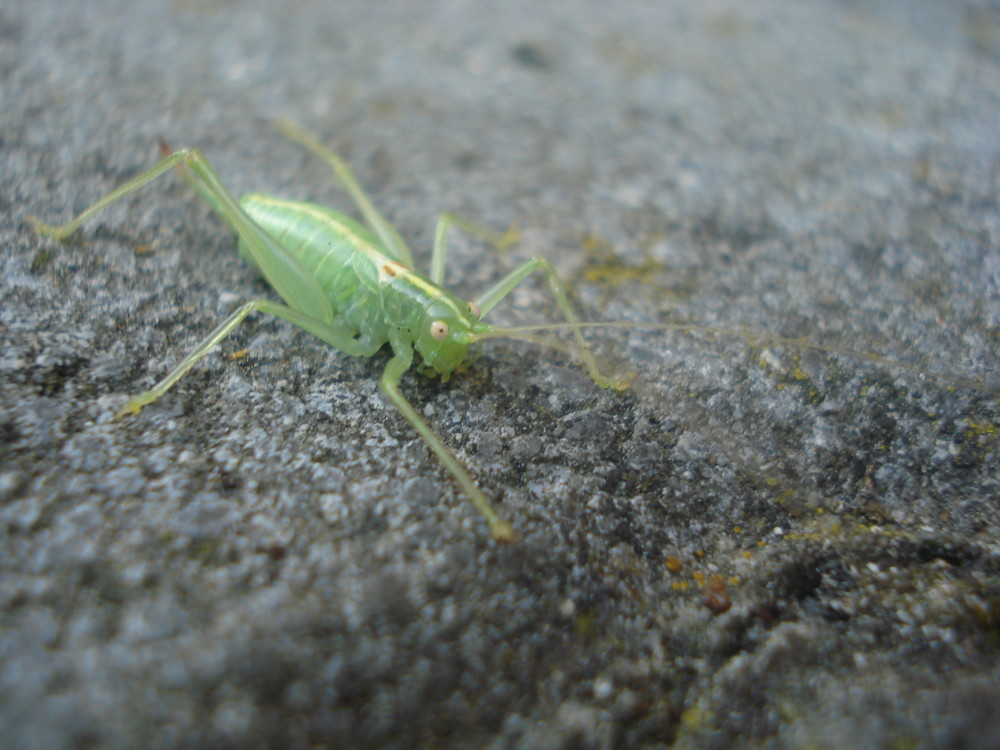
758 545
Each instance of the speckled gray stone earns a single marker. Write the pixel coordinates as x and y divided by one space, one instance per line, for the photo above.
756 545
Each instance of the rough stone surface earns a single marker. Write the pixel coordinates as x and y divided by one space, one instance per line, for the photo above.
757 545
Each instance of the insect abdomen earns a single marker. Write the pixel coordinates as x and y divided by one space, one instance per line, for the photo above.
366 287
323 240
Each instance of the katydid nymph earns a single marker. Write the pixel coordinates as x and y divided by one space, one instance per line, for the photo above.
352 286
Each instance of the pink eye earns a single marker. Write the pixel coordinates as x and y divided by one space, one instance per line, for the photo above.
439 330
475 311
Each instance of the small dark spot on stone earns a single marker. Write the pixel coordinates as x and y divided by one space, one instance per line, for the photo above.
51 380
531 55
41 260
716 598
468 160
9 433
230 481
275 551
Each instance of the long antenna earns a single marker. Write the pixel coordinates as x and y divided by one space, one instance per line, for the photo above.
527 333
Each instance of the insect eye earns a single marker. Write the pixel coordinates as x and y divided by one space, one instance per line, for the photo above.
475 311
439 330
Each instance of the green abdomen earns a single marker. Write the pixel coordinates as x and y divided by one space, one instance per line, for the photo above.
366 287
325 241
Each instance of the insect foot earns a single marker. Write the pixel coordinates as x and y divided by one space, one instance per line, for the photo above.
615 384
48 230
503 532
132 407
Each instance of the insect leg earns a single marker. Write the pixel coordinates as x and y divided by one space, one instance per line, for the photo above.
279 267
379 224
499 241
337 336
399 364
62 231
488 300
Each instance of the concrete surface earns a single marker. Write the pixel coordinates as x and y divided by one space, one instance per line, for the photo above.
757 545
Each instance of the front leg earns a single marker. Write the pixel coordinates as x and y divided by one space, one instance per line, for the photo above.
488 300
402 358
500 241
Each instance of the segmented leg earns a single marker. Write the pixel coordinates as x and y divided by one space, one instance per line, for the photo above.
499 241
391 239
338 336
279 267
402 358
488 300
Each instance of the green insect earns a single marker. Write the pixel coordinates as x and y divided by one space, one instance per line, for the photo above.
352 286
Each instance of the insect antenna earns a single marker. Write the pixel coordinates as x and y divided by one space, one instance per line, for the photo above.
529 333
526 333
